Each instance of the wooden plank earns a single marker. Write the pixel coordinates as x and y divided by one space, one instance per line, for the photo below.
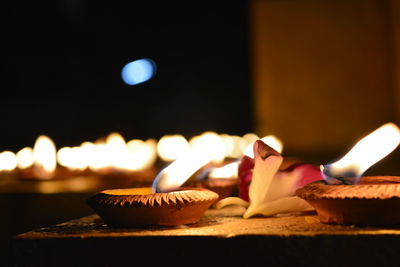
221 237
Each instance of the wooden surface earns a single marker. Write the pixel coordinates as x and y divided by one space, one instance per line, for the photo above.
27 204
222 236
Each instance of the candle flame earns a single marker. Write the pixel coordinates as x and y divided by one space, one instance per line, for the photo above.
232 144
115 154
44 153
141 154
8 161
270 140
25 158
96 153
227 171
171 147
175 174
365 153
205 148
73 158
211 144
248 141
116 150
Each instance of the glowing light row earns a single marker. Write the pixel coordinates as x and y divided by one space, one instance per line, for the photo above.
114 152
171 147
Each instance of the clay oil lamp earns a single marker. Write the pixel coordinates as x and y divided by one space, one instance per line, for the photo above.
346 197
140 207
222 180
163 204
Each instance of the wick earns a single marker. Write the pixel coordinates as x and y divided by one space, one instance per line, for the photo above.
347 178
337 180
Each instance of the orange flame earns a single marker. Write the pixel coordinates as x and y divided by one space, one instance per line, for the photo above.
44 153
365 153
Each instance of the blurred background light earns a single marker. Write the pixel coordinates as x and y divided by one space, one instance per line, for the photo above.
138 71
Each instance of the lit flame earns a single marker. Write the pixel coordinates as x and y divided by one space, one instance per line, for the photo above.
270 140
141 154
73 158
8 161
116 150
25 158
171 147
365 153
248 141
173 176
203 149
232 145
211 144
115 154
227 171
96 153
106 154
44 153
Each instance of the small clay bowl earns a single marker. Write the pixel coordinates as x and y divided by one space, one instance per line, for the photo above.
224 187
374 201
139 207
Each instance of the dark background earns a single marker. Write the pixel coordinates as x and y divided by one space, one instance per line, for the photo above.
61 76
321 73
63 59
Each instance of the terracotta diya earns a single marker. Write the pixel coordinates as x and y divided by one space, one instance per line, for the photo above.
138 207
374 201
224 187
223 180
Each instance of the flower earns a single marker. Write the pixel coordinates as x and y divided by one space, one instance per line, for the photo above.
245 172
267 190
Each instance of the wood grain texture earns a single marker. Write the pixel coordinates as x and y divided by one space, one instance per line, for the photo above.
221 237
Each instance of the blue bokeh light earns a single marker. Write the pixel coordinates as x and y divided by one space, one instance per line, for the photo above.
138 71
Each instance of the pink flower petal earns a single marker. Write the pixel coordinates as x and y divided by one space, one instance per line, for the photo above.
301 173
308 173
245 172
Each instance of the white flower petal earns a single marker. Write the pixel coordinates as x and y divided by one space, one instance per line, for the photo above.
263 174
282 205
231 201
